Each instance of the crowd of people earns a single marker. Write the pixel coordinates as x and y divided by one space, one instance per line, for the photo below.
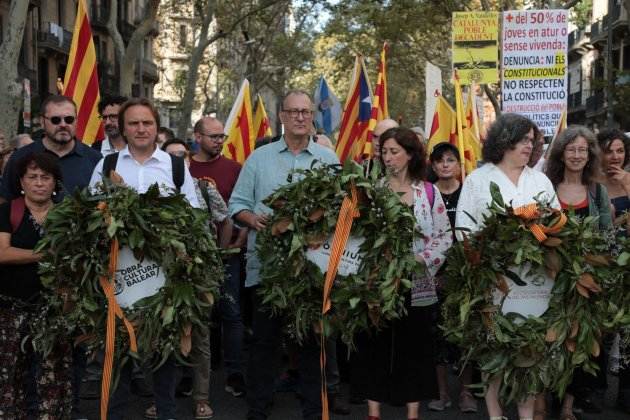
404 363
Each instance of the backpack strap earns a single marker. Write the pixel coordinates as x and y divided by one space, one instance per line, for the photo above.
109 164
179 167
428 188
18 205
203 187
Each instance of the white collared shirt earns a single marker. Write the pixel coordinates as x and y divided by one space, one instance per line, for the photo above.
475 196
140 176
107 148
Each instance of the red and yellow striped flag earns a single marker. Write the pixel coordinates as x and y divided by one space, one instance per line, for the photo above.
239 143
356 115
379 101
262 127
81 79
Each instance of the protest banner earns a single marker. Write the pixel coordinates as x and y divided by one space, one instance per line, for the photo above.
475 46
534 65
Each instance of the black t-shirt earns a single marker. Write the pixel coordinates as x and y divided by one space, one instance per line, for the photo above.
450 202
20 281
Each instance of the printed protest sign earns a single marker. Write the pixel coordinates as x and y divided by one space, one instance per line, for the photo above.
530 299
350 259
475 46
534 65
136 279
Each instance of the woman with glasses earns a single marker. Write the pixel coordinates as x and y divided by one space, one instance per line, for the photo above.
29 387
506 153
572 167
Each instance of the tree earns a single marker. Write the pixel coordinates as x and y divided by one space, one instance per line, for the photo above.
10 86
127 55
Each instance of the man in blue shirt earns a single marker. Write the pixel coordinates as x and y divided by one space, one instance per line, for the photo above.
59 116
268 168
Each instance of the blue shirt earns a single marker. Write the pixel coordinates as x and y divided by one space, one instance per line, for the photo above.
76 168
266 169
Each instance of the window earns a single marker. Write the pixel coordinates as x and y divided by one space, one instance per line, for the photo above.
183 36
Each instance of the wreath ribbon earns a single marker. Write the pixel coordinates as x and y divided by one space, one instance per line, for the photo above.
113 311
540 231
348 212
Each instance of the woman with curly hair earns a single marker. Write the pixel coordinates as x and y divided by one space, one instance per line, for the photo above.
573 166
506 153
397 363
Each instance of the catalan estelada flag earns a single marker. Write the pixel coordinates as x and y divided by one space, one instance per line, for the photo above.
356 115
443 127
81 79
262 127
379 102
239 143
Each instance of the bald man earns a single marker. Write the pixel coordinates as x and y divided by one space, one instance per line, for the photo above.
379 129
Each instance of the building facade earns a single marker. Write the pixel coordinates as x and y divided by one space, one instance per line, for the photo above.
48 36
591 63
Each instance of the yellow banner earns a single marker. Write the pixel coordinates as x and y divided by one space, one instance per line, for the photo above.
475 46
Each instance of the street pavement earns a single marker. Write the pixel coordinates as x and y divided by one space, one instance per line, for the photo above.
287 407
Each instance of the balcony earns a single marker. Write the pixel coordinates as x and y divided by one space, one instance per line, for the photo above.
595 103
574 101
578 38
149 70
54 38
99 15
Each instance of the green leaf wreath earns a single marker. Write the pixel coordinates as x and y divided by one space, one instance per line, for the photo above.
587 298
305 214
75 251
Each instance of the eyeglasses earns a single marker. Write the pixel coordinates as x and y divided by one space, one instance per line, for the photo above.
215 137
112 117
294 113
56 120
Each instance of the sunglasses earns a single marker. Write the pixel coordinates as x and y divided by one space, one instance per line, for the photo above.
180 154
56 120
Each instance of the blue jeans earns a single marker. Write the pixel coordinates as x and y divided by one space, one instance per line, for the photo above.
230 310
164 382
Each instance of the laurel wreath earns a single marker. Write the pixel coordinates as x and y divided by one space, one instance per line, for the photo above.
305 215
536 353
76 252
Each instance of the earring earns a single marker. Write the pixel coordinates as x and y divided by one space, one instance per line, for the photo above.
54 193
22 192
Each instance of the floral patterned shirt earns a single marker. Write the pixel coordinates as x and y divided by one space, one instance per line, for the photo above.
432 242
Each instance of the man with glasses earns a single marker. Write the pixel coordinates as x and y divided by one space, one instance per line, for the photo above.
76 160
266 169
108 109
209 164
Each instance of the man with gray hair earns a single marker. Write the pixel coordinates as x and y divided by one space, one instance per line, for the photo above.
381 127
268 168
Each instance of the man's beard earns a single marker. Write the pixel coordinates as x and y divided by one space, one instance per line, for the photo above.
212 152
61 141
112 132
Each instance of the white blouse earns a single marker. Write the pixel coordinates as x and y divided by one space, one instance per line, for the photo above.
475 197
